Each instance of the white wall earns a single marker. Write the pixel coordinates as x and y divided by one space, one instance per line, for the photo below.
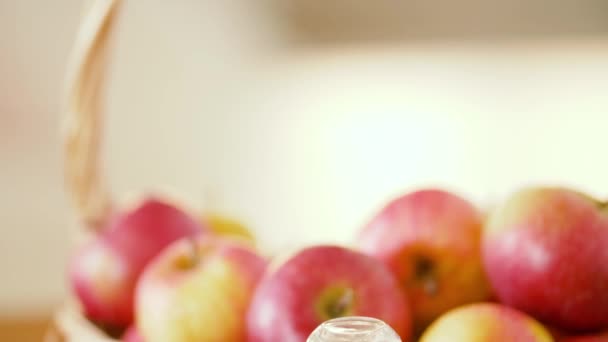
34 41
303 145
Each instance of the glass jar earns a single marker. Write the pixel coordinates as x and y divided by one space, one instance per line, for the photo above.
354 329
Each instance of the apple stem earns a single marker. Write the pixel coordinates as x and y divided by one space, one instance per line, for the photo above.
424 271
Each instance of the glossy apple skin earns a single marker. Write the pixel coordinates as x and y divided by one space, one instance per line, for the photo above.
546 253
104 272
441 228
484 322
132 335
287 305
198 290
98 275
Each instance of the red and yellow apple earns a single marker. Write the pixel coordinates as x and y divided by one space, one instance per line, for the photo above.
485 322
546 253
198 290
104 272
321 283
430 239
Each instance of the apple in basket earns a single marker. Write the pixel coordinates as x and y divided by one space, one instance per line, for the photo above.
104 272
320 283
546 253
198 290
485 322
430 239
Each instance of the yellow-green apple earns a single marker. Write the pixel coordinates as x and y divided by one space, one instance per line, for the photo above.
198 290
546 253
430 239
321 283
132 335
601 337
485 322
104 272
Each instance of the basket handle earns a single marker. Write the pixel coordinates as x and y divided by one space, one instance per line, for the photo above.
83 115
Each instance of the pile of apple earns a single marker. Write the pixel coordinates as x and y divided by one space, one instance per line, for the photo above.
429 264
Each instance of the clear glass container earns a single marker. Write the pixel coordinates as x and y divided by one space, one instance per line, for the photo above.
354 329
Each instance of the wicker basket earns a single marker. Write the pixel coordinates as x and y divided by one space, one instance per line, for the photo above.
70 325
82 132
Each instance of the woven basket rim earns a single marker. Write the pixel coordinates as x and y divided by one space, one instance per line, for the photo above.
70 325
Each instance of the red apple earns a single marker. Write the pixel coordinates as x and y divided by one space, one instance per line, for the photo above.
602 337
132 335
97 274
104 272
546 253
198 290
485 322
557 333
430 239
321 283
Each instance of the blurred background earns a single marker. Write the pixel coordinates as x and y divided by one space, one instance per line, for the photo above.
301 118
